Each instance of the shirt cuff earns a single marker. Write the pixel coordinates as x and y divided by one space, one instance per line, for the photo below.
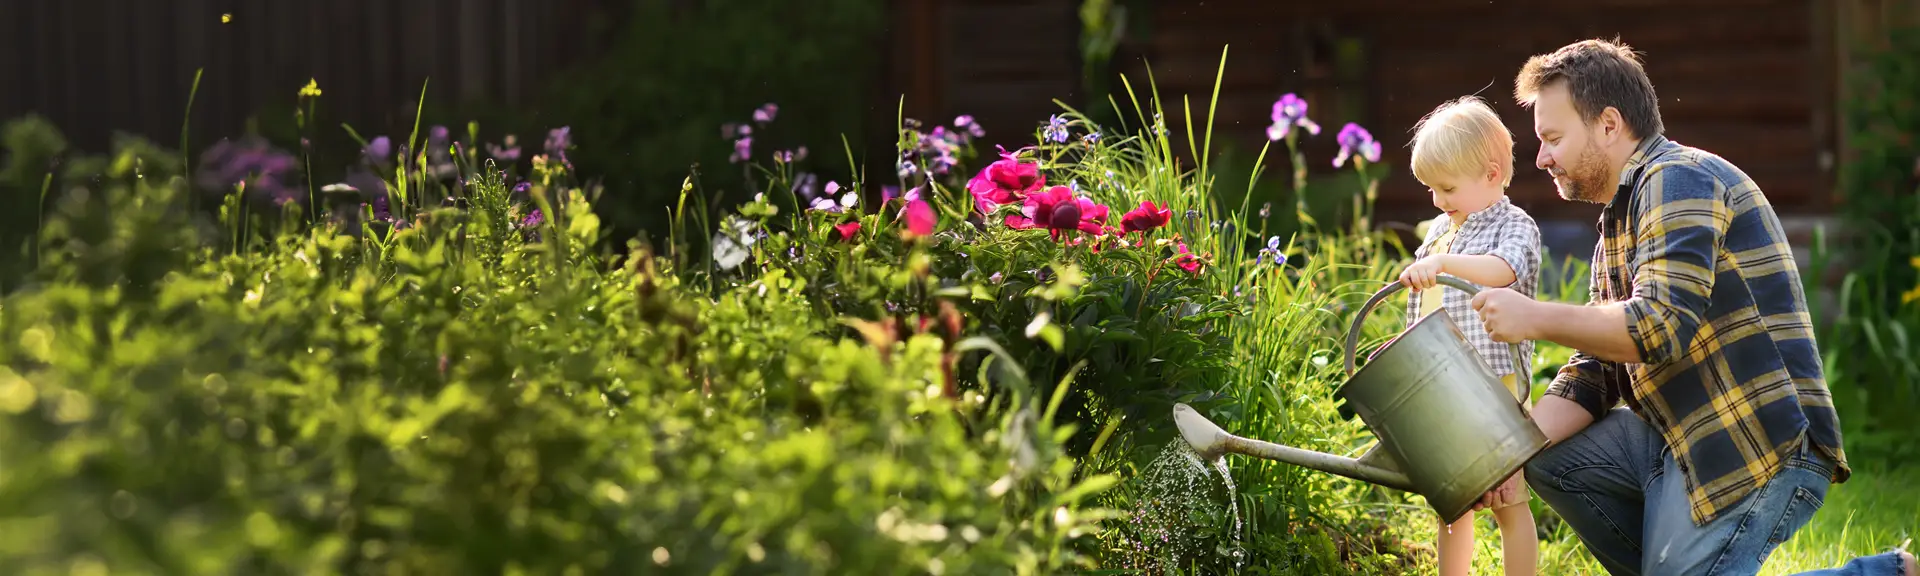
1648 331
1586 393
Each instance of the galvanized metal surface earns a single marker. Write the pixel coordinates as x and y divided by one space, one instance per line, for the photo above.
1448 429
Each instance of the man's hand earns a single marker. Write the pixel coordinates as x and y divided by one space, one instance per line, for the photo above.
1509 316
1423 273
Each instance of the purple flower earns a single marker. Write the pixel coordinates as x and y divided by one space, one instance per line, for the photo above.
1355 140
765 113
268 173
1288 112
523 188
378 152
369 184
888 193
742 150
439 159
558 140
1056 129
783 156
965 122
530 225
828 203
805 186
380 209
1273 248
732 129
800 154
508 152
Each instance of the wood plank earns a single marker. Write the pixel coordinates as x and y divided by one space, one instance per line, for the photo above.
512 45
472 52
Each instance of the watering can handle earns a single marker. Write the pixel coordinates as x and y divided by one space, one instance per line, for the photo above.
1353 333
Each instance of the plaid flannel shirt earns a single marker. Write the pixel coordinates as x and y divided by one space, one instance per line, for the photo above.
1502 230
1729 375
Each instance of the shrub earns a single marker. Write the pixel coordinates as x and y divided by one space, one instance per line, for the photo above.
1870 344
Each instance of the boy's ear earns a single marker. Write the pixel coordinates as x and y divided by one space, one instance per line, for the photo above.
1493 172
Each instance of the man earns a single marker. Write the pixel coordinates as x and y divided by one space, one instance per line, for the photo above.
1729 440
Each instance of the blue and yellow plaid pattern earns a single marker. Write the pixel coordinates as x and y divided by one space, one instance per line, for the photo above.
1729 374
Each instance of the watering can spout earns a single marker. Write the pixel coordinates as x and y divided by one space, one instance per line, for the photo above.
1210 442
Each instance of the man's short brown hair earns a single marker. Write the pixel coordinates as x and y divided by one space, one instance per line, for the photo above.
1598 73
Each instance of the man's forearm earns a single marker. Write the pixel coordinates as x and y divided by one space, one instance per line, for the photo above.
1600 331
1560 418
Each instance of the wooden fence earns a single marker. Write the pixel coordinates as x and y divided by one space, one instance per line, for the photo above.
97 66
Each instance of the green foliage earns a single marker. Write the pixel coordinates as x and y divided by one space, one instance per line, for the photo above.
1871 344
431 400
38 162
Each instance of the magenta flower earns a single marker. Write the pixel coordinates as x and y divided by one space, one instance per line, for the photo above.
921 219
1356 140
1145 218
846 232
1093 217
1037 209
1005 181
1186 260
1290 111
765 113
1059 211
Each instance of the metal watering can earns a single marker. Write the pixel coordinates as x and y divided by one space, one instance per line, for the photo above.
1448 429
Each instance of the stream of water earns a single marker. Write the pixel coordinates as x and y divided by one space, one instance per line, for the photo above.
1174 515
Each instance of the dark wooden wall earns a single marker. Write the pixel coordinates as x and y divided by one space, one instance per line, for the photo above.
94 66
1001 61
1755 81
1751 80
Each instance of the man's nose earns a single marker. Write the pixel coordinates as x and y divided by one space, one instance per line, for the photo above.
1542 159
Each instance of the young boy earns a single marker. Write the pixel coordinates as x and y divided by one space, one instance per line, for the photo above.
1464 155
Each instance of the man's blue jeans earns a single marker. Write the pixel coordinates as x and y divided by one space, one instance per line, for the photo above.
1616 485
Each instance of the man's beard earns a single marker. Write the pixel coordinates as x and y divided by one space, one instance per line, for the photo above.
1589 181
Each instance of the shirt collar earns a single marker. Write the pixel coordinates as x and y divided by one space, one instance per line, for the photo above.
1486 213
1645 152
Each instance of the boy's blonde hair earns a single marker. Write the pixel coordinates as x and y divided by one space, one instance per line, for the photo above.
1458 139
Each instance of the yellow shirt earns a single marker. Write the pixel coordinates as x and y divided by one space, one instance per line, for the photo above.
1430 302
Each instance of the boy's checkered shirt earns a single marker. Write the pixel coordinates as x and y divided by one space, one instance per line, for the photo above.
1502 230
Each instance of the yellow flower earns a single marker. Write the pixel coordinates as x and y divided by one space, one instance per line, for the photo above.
1915 262
1911 296
312 89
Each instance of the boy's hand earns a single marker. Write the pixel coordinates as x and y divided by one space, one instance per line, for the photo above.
1423 273
1505 494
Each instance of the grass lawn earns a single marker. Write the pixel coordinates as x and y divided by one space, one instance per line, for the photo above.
1869 514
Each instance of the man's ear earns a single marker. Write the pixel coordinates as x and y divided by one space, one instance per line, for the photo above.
1613 126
